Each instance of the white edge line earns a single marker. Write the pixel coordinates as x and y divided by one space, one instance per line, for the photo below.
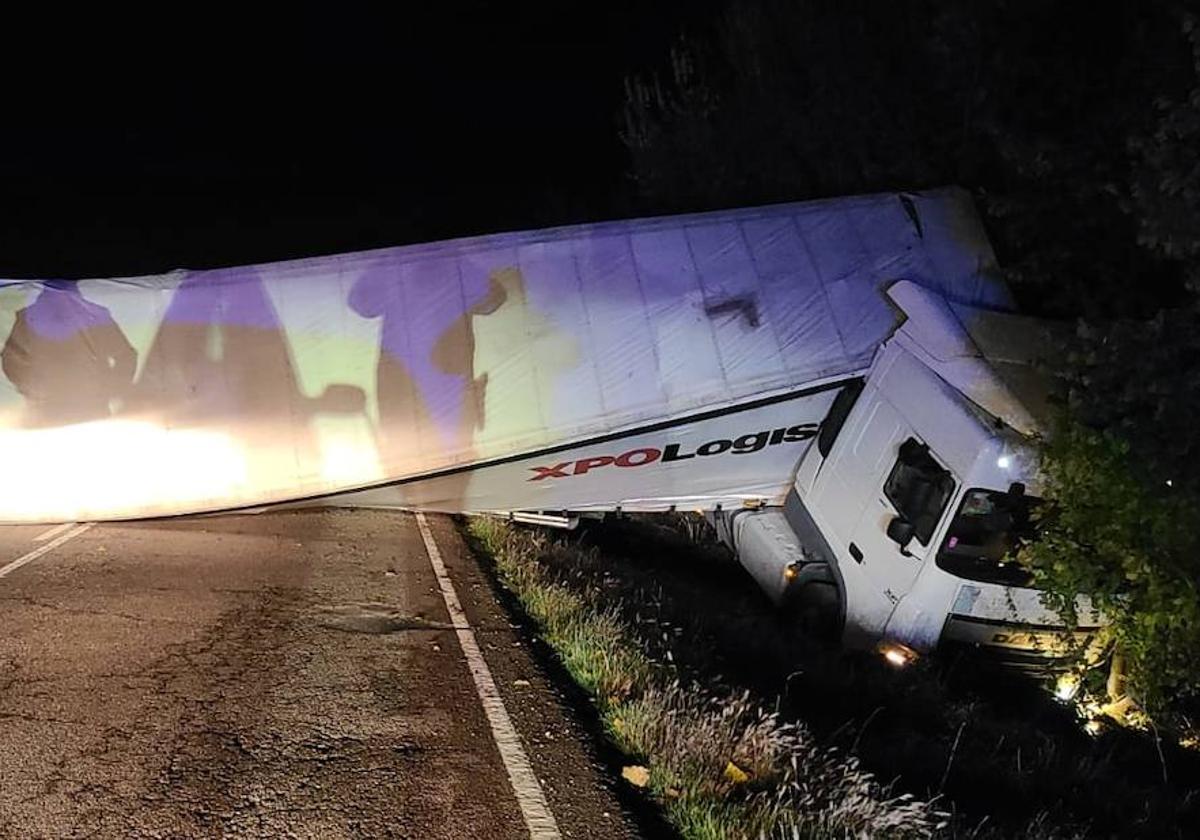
530 798
45 549
52 532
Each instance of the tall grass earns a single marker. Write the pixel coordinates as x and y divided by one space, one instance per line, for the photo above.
719 764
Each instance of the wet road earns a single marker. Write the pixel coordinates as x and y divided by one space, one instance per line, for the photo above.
293 674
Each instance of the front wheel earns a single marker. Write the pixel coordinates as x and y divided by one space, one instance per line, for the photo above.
817 609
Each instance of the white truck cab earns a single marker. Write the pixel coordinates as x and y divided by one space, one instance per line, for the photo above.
908 503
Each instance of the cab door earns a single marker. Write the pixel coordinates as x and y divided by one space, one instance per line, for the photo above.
850 499
887 573
903 480
847 498
913 491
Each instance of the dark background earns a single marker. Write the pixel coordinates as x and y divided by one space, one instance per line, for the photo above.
199 136
202 136
209 135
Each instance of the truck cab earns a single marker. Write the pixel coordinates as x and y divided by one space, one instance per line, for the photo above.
920 501
920 484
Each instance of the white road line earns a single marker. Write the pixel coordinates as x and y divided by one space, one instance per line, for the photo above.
45 549
530 798
53 532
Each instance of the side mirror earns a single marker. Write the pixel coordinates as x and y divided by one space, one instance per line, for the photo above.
901 532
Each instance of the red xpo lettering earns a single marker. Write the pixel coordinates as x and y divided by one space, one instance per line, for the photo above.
644 456
550 472
743 445
585 464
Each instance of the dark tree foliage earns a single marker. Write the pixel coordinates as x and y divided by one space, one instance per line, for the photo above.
1136 550
1123 465
1028 103
1078 130
1165 186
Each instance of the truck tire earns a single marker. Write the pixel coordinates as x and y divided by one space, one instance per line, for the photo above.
817 610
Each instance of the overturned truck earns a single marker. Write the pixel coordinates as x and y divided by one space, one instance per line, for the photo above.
839 385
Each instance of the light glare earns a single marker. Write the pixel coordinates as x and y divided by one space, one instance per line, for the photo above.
1066 687
896 654
123 459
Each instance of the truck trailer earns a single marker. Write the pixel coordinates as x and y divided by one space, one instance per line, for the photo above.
839 385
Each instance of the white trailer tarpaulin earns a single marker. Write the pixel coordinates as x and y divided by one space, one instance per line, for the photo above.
207 390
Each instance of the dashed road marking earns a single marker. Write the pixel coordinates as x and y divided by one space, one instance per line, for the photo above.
53 532
532 801
75 531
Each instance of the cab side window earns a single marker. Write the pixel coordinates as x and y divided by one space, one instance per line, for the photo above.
919 488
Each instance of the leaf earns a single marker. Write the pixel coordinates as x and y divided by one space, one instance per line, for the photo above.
735 774
636 775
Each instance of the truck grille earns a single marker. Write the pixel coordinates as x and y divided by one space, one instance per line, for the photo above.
1022 647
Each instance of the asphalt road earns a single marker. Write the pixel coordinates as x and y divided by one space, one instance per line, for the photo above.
292 674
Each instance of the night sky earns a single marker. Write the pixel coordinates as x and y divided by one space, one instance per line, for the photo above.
209 137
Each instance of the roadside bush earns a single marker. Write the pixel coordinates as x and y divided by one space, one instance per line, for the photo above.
1134 551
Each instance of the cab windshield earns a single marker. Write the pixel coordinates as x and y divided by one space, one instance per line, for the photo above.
985 534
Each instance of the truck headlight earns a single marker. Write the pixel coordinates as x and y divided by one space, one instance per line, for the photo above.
1066 686
896 654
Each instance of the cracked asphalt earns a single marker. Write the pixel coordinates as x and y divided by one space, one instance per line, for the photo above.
287 674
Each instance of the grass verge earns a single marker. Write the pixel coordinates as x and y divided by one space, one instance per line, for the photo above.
996 752
718 763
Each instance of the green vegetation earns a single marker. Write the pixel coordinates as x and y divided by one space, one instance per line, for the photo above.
1136 550
720 765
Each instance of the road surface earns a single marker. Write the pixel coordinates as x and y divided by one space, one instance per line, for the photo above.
289 674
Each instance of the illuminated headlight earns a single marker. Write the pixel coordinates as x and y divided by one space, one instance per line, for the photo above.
1066 687
1004 462
790 572
896 654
